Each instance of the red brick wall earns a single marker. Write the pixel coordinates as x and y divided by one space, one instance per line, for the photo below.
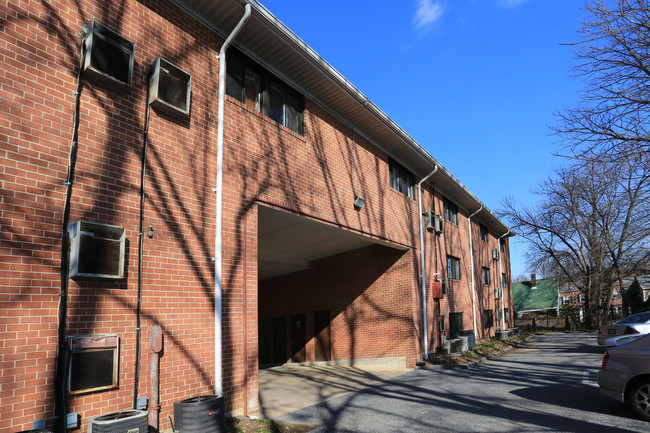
315 175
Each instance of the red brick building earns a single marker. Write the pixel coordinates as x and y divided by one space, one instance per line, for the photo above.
323 236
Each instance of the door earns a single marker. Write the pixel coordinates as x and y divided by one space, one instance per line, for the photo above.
455 324
265 341
298 351
279 340
322 345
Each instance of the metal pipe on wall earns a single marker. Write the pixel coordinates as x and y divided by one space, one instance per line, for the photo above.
218 259
422 266
471 263
503 318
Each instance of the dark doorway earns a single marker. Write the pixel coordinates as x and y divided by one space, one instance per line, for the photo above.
322 344
455 324
279 340
265 333
298 351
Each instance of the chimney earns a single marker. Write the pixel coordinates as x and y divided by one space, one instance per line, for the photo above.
533 280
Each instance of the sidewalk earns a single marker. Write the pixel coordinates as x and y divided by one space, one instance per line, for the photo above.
288 388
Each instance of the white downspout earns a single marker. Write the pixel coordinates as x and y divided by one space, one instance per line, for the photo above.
424 284
218 259
503 317
471 263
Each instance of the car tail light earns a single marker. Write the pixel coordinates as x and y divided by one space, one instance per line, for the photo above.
629 330
605 359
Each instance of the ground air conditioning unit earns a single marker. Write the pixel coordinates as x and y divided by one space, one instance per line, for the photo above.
169 88
127 421
201 414
97 251
495 253
109 56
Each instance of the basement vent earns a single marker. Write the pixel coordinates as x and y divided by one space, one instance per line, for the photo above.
169 88
97 251
109 56
93 363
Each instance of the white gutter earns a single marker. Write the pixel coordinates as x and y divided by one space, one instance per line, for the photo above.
422 267
503 317
471 262
218 259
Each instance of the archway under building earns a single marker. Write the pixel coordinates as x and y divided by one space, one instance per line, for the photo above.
318 292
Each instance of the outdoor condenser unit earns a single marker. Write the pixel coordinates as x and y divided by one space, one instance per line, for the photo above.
97 251
109 56
201 414
169 88
128 421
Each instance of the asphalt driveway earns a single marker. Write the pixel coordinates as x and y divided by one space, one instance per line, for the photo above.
547 385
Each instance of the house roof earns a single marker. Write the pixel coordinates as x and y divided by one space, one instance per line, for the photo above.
271 43
543 297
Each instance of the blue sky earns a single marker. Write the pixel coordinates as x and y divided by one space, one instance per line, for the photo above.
475 82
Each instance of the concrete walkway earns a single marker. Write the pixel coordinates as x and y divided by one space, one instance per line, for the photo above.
288 388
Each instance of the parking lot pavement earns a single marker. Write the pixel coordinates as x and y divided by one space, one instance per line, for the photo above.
546 385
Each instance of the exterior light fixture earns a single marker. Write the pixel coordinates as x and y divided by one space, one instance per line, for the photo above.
358 203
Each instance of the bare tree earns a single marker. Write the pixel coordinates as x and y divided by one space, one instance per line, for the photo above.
611 120
591 227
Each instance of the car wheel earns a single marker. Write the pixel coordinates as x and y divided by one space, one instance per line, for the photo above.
640 399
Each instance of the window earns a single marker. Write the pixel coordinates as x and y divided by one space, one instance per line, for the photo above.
485 272
484 233
503 281
581 298
451 211
252 90
453 268
401 179
506 315
488 318
502 245
566 300
442 323
498 313
262 92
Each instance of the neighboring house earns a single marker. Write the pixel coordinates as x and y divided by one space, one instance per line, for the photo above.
535 297
636 296
323 253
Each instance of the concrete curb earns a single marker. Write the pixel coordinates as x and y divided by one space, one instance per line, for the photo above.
494 355
478 361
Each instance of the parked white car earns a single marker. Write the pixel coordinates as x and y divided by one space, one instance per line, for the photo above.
638 323
625 373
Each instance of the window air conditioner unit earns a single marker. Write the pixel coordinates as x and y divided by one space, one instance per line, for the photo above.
109 56
495 253
439 224
126 421
443 288
429 219
498 292
97 251
169 88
